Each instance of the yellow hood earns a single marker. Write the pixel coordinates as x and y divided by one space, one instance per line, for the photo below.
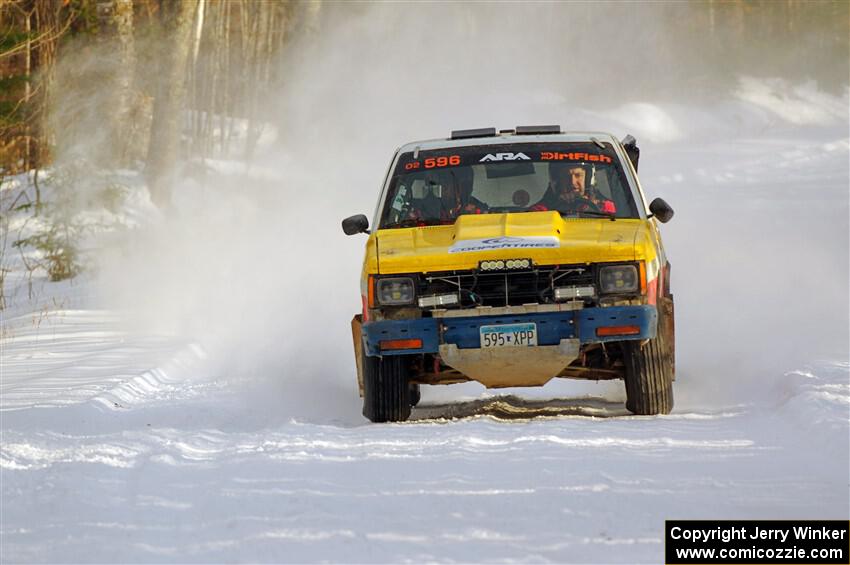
544 237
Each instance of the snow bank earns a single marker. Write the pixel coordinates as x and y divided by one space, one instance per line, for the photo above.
802 104
817 399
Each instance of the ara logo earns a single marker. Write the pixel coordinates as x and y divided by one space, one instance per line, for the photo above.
505 157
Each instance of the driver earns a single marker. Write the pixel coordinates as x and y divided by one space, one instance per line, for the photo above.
441 201
465 202
570 190
448 194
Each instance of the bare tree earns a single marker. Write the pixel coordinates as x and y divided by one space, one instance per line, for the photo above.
164 150
47 20
234 72
122 17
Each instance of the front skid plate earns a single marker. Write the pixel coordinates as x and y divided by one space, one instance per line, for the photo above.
512 366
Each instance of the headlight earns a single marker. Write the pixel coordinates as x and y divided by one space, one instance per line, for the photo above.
395 291
618 279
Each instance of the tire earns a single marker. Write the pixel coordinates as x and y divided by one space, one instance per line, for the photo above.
386 391
649 377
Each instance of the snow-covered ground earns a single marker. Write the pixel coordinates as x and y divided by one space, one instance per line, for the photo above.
200 479
210 417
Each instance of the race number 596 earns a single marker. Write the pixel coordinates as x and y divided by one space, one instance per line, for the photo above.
432 162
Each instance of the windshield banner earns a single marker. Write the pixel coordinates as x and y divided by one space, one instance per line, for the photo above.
576 152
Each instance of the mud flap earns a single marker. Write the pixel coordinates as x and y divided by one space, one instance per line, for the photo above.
668 329
357 336
668 316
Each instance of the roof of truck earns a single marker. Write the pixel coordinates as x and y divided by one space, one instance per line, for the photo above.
507 137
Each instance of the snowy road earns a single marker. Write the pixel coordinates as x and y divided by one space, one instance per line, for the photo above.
188 481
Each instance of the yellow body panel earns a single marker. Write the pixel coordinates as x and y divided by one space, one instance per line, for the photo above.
579 240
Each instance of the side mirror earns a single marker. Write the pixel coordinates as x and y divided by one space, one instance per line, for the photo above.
632 150
661 210
355 224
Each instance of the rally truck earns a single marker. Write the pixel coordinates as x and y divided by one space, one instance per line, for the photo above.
511 257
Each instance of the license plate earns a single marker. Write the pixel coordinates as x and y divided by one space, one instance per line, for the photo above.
509 335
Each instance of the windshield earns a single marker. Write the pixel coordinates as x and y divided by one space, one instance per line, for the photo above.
575 179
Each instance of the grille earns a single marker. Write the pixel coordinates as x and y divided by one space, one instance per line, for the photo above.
512 288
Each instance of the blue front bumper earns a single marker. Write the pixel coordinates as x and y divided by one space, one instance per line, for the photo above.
552 327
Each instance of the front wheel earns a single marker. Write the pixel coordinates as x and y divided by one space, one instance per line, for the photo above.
649 377
386 390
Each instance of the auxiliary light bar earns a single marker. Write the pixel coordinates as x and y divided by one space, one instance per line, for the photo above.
502 264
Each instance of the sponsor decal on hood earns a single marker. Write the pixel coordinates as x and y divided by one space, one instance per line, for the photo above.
504 242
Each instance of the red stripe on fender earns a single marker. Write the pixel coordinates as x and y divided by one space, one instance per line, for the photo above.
652 291
365 308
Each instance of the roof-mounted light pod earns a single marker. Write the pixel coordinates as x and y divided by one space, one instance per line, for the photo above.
470 133
537 130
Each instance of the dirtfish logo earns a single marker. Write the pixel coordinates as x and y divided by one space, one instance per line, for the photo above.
490 243
505 157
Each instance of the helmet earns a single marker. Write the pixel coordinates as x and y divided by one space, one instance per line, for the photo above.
557 168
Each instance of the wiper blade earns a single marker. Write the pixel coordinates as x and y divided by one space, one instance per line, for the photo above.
610 215
413 222
599 214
